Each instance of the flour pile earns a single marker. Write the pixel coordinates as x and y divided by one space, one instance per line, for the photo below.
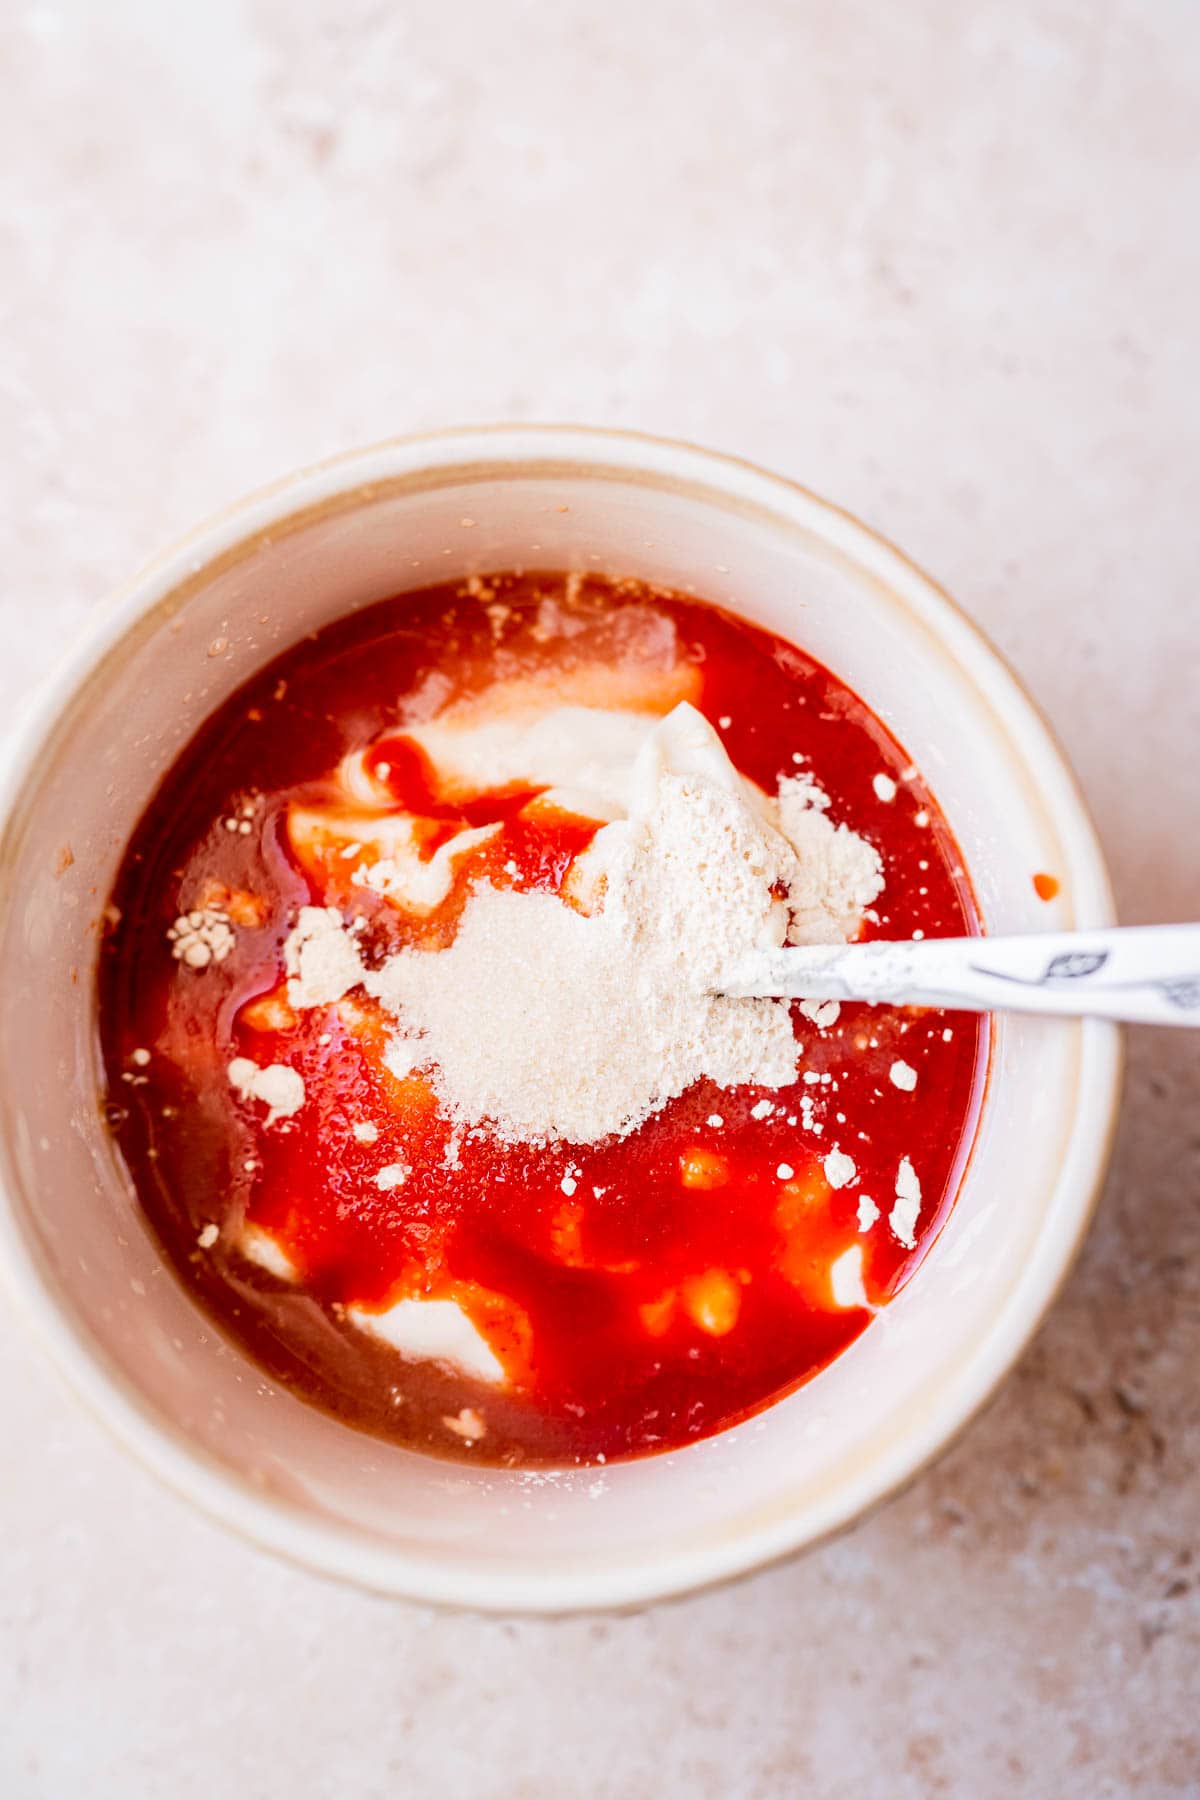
576 1018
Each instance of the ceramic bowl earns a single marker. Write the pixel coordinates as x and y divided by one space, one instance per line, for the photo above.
86 1274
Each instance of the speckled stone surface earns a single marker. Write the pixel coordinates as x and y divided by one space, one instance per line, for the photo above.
938 260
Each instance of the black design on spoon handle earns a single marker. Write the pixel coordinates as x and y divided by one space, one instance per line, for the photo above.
1074 965
1181 991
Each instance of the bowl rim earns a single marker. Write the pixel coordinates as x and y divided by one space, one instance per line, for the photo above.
322 1546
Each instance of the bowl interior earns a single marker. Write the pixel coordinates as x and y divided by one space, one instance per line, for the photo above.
87 1268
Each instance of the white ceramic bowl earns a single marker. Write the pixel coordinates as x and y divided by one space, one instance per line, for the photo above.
88 1278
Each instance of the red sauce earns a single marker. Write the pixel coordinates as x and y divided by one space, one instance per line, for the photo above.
1045 886
641 1292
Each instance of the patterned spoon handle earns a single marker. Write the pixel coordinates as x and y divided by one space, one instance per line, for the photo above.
1147 974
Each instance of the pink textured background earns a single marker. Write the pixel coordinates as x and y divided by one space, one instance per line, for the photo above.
938 260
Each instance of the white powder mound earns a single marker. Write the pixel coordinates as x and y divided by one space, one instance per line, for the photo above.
539 1022
542 1021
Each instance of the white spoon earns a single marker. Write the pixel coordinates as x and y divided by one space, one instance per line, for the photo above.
1147 974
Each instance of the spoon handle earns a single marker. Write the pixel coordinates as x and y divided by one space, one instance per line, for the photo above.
1148 974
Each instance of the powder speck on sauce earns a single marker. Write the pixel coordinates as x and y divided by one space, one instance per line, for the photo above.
467 1424
393 1176
822 1013
904 1214
321 960
868 1212
839 1168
